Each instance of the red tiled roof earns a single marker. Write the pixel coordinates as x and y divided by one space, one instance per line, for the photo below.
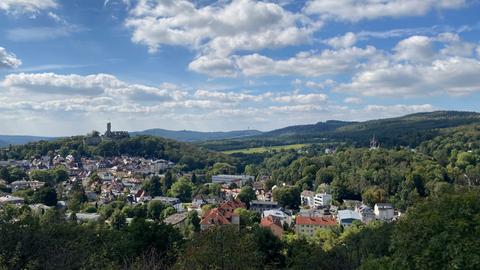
214 217
320 221
268 222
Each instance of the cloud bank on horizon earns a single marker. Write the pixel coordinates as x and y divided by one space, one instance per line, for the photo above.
68 66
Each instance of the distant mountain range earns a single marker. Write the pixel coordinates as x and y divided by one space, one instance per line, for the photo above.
6 140
408 130
194 136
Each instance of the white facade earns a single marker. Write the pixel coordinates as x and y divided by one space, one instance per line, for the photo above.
322 199
307 198
384 211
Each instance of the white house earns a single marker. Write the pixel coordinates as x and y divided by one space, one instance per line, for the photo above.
384 211
322 199
307 198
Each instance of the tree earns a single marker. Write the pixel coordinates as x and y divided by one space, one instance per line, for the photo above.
182 189
440 233
194 179
193 221
153 186
118 220
221 248
246 195
247 218
76 197
155 209
167 181
374 195
288 197
46 195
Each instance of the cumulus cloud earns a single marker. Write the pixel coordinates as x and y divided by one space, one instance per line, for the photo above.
352 100
345 41
306 64
415 49
455 76
356 10
8 60
219 29
27 6
416 68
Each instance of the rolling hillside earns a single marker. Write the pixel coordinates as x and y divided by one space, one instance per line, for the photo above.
409 130
193 136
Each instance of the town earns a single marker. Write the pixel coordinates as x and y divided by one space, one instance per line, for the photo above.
86 187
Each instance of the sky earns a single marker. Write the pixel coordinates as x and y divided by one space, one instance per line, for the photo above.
69 66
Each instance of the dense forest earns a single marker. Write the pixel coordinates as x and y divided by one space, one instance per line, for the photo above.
409 130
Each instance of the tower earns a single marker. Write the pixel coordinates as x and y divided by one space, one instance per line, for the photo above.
374 143
109 128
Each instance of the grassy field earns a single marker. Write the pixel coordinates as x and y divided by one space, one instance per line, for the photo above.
265 149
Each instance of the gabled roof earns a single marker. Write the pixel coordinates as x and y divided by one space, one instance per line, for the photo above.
214 217
319 221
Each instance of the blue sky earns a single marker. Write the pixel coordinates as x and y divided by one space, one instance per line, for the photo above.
67 67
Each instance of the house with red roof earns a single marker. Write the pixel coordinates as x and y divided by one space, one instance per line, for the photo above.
309 225
222 215
273 224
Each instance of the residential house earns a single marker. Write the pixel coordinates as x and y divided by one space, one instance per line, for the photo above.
384 211
322 199
177 220
347 217
222 215
308 226
279 215
366 213
260 206
307 198
273 225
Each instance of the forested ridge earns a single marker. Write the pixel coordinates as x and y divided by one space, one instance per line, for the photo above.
409 130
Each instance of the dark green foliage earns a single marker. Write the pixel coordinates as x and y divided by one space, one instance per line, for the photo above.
288 197
246 195
221 248
441 233
182 189
46 195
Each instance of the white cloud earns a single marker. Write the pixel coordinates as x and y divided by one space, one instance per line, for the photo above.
455 76
374 111
320 85
352 100
415 49
214 66
8 60
27 6
307 64
421 66
345 41
356 10
40 33
219 29
312 98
